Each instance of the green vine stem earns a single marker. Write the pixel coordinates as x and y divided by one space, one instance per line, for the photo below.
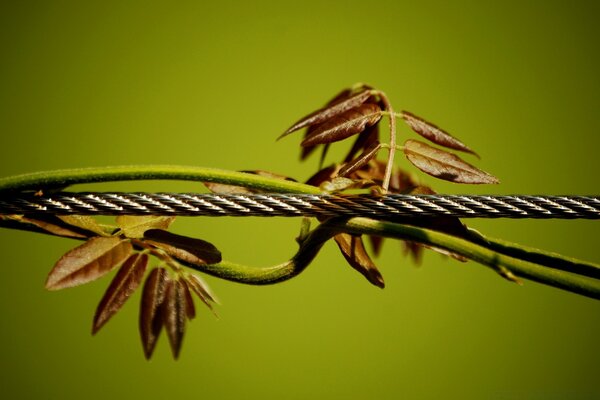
310 247
547 268
68 177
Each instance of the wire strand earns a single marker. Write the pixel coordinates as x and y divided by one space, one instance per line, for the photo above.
295 205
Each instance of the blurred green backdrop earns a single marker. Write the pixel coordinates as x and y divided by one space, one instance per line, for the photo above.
213 84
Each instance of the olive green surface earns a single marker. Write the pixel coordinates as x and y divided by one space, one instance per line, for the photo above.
213 84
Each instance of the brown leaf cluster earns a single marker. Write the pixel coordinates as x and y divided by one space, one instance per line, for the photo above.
354 111
357 112
167 299
167 302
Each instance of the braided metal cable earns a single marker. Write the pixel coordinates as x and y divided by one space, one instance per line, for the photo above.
291 205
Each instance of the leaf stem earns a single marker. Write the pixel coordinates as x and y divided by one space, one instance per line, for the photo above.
392 149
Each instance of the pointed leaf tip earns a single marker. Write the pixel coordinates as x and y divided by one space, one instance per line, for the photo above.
444 165
337 106
356 255
434 133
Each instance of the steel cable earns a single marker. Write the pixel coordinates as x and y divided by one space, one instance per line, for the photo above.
294 205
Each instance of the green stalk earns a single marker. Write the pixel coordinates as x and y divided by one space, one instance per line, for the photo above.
67 177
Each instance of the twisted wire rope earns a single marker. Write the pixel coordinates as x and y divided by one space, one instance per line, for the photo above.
294 205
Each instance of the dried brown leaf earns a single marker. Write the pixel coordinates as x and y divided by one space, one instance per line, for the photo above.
188 250
361 160
88 262
175 314
435 134
135 226
329 111
355 253
344 125
125 282
444 165
84 222
151 316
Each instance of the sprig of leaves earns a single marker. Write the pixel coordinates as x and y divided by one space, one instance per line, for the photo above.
167 299
357 112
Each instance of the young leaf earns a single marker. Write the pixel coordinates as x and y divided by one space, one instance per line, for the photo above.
364 140
190 309
355 253
329 112
151 319
88 262
444 165
175 314
135 226
125 282
433 133
186 249
306 151
344 125
344 94
201 289
84 222
361 160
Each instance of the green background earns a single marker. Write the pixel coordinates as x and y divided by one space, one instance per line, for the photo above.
212 84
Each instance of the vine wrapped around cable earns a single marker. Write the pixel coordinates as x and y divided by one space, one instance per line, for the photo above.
171 284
